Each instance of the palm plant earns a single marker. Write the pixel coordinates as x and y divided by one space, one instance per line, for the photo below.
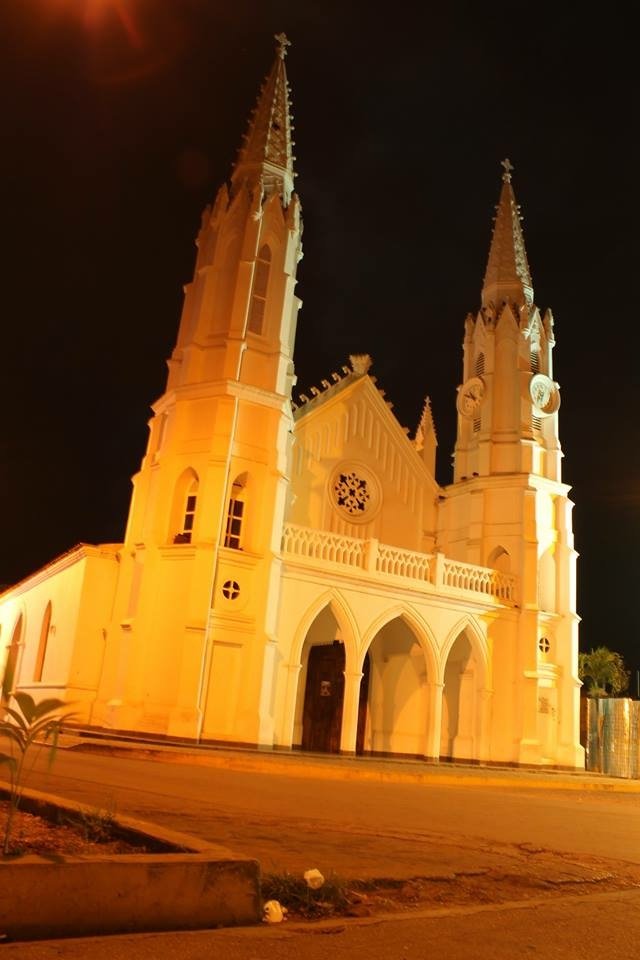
603 672
28 724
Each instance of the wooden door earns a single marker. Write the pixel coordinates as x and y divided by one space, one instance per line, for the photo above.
323 698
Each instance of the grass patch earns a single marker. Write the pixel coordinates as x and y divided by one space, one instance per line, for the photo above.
334 898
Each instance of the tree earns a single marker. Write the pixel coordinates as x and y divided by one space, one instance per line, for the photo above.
603 672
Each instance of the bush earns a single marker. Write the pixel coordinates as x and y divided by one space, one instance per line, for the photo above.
27 725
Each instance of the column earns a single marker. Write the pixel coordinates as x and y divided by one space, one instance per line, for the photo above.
434 721
350 705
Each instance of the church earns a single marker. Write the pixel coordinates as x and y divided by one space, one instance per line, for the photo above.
292 575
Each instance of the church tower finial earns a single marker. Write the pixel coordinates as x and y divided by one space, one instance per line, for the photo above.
283 43
507 278
265 159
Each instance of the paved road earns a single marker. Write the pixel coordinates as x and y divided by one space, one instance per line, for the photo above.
380 819
377 819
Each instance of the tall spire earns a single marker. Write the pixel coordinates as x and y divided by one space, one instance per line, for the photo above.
507 276
266 154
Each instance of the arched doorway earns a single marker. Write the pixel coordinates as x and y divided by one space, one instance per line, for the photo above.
398 692
324 697
458 729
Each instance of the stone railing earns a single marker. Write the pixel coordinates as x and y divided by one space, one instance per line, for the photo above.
403 563
318 545
382 560
466 576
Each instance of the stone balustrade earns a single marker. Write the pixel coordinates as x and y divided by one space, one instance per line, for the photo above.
384 561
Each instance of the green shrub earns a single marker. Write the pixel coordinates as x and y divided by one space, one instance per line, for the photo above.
26 726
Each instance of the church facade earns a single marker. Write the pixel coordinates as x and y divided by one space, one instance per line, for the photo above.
292 576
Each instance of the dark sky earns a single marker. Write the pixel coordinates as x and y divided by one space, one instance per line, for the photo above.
120 118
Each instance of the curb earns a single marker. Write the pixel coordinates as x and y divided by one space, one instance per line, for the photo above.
367 769
188 885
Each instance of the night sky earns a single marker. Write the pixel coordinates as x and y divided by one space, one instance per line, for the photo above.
121 118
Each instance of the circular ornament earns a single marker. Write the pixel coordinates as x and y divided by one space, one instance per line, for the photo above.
470 396
544 394
354 492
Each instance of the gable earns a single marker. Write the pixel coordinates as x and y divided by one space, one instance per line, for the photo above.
354 469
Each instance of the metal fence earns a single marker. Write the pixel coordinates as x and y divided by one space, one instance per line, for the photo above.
610 728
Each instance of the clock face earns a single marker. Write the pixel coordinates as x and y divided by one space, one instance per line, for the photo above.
470 396
544 394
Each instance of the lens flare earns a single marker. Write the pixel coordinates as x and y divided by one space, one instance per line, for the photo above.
95 11
128 40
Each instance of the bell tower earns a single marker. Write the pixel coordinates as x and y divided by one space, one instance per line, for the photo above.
508 401
507 507
192 636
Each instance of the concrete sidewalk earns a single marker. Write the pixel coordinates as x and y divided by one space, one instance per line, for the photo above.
332 767
570 928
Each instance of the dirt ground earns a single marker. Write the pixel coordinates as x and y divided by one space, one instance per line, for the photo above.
31 834
536 876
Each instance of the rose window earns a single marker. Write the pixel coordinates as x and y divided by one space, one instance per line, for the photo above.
352 493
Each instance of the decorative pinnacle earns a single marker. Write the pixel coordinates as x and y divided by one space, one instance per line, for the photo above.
506 176
360 363
283 43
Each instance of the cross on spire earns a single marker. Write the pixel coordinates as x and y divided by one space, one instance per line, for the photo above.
508 167
283 43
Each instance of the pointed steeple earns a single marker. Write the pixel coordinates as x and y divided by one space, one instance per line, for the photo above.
266 154
507 277
425 440
426 425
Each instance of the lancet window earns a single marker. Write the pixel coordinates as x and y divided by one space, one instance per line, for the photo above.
235 514
259 290
42 646
185 507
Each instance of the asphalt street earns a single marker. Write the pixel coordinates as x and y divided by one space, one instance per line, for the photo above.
575 836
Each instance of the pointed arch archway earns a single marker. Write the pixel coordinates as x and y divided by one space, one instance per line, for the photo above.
324 649
344 617
402 690
464 672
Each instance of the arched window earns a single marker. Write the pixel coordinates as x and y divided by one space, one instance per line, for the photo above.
499 560
10 670
535 349
189 512
42 646
259 290
235 513
479 364
534 358
184 511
